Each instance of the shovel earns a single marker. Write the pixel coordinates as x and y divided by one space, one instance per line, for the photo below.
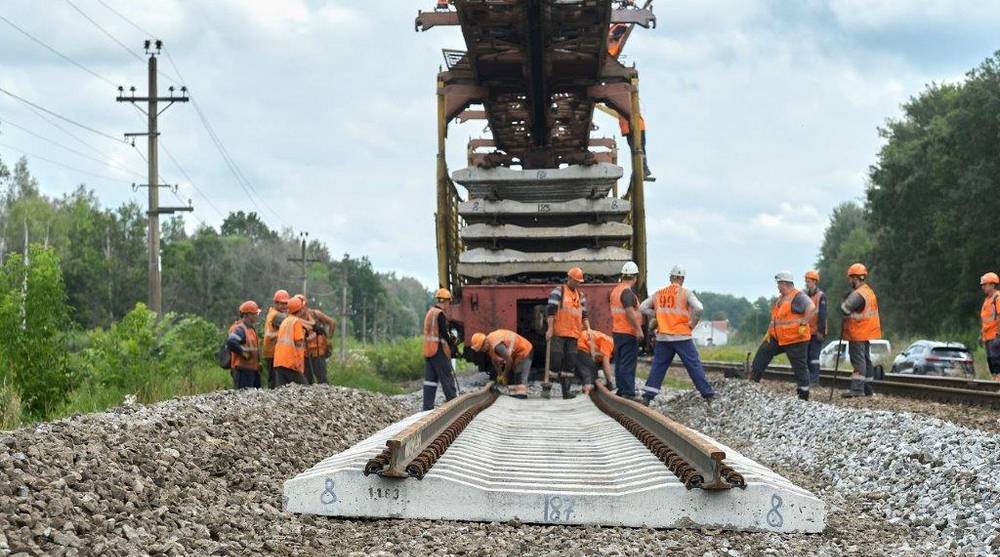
546 385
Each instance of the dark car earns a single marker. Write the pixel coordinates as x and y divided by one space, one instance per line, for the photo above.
930 357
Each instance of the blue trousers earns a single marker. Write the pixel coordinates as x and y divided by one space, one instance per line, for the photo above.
815 345
663 356
626 354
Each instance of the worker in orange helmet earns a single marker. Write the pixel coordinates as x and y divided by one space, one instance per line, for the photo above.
817 324
594 348
290 346
566 319
321 326
438 347
861 326
989 317
510 354
242 344
271 323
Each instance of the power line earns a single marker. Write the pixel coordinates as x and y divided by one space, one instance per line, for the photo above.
61 117
190 181
70 149
66 166
57 53
127 20
105 31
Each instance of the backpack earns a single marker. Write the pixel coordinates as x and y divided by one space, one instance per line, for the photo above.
224 356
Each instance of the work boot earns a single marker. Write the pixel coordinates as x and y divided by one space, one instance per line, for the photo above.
803 395
857 389
566 386
868 389
648 174
521 396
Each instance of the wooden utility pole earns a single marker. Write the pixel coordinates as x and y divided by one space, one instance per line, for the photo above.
364 321
155 210
343 320
304 262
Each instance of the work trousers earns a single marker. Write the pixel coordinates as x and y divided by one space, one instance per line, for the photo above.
815 346
663 355
860 354
268 364
437 371
563 359
993 357
625 357
522 369
286 375
586 368
798 356
315 370
247 378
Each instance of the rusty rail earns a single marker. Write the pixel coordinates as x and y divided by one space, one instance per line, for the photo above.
698 463
413 451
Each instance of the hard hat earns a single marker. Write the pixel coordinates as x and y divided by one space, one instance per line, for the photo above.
301 297
576 274
442 294
477 341
280 296
678 271
630 268
857 270
295 305
249 306
812 275
784 276
989 278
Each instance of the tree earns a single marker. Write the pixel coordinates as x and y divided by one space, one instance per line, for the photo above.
248 225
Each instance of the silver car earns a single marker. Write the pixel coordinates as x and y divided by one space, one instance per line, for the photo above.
930 357
880 349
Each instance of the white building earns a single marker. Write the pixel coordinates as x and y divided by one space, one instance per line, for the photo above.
711 333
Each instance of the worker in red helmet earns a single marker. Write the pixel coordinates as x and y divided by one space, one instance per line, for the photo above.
861 326
290 346
817 324
566 319
320 327
271 323
242 344
989 317
438 347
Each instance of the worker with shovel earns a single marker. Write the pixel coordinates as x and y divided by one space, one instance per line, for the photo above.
566 320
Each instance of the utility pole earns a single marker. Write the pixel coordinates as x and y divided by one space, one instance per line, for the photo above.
304 262
343 320
155 210
364 322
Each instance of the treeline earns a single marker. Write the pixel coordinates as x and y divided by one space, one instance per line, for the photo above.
207 272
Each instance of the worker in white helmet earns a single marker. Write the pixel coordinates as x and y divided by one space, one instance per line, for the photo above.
788 333
626 329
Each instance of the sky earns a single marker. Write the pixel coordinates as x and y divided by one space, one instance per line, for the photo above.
762 115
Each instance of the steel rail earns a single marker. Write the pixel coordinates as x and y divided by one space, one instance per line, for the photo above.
697 462
412 451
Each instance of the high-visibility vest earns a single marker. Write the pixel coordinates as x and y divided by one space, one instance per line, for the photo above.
520 346
604 345
270 332
432 342
569 317
290 348
615 44
787 327
989 317
619 314
864 324
316 344
673 317
236 359
814 317
626 127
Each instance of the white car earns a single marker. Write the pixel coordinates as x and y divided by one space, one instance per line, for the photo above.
881 352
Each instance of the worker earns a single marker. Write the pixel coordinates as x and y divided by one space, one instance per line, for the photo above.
594 348
566 318
317 344
626 129
626 329
817 324
243 347
271 323
990 317
290 346
438 348
861 326
788 333
510 354
677 311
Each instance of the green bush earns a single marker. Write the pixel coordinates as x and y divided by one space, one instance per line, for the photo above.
357 373
397 360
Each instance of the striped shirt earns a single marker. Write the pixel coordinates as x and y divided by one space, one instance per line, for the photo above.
555 301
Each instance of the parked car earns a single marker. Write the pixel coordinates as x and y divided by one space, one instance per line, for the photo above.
880 349
930 357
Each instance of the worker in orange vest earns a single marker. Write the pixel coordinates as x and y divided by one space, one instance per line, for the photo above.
566 318
594 348
817 324
271 323
438 347
510 354
788 333
861 326
243 347
989 317
626 129
677 311
290 346
317 343
626 329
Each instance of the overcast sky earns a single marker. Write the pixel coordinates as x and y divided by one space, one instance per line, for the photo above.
762 116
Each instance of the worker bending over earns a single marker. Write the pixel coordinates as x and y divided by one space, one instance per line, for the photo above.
861 326
271 322
594 348
567 318
243 348
788 333
438 348
677 311
990 323
510 354
626 329
290 346
817 324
